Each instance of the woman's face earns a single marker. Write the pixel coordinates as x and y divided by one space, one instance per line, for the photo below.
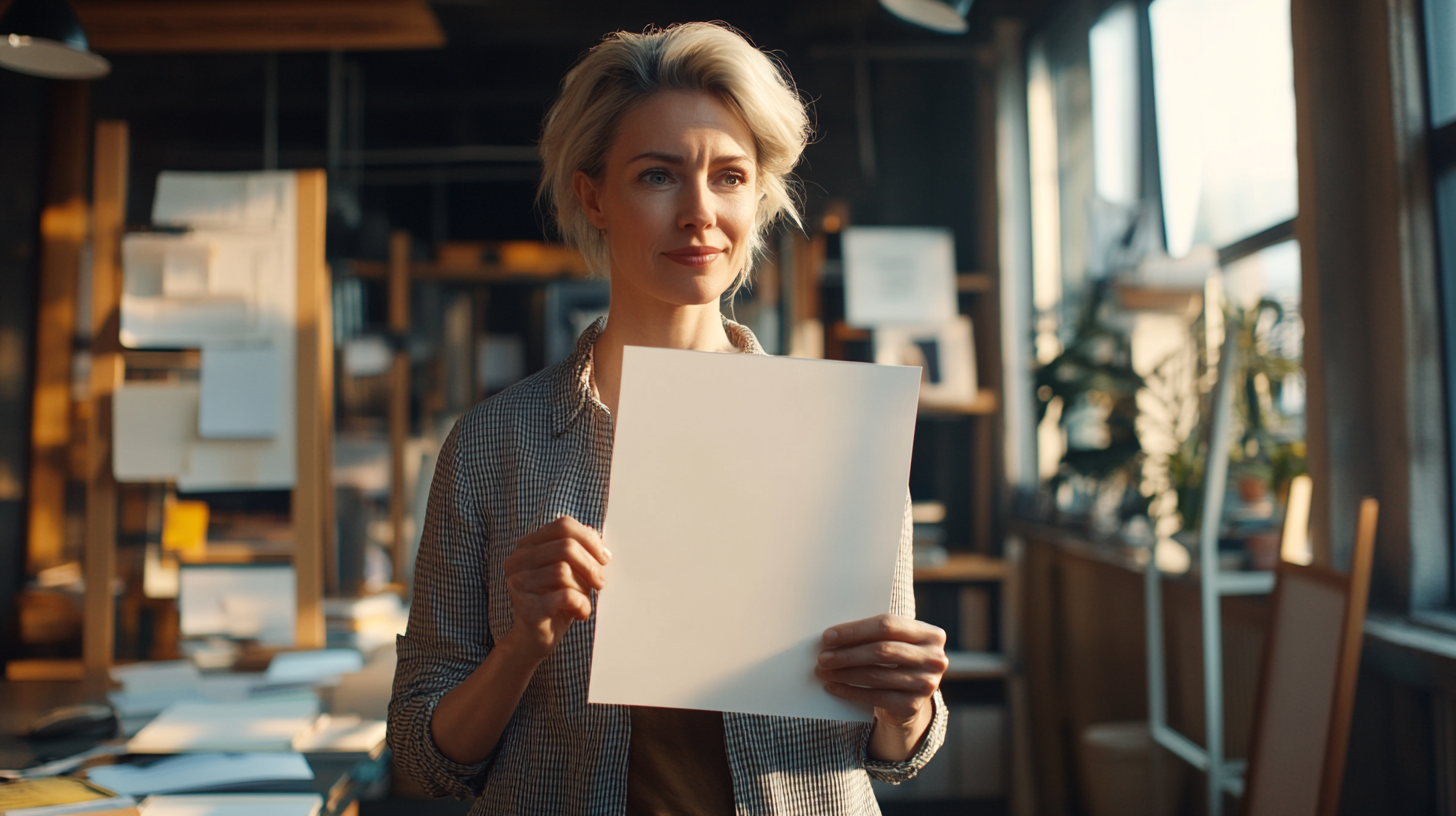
677 198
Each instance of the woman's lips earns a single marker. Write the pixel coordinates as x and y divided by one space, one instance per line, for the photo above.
694 256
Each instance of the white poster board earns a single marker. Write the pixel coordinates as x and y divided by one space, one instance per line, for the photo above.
755 502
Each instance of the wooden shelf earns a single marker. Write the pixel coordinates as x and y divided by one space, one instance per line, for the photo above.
963 567
986 402
975 666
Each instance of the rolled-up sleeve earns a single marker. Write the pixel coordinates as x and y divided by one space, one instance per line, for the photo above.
448 635
902 603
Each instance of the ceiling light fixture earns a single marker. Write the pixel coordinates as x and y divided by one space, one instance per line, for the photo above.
946 17
44 38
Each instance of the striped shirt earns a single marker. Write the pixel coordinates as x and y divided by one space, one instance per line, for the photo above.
536 451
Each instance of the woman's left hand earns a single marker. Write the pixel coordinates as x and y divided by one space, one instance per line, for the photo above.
893 664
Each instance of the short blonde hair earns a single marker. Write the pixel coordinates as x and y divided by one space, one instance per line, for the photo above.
626 69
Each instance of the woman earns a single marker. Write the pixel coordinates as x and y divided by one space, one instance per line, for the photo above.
666 158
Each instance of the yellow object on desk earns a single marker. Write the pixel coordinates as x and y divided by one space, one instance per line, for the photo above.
20 796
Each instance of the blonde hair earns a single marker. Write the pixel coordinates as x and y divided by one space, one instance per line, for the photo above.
626 69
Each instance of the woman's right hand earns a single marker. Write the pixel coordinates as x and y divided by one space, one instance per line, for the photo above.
551 575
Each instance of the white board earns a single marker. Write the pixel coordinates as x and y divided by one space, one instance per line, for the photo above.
755 502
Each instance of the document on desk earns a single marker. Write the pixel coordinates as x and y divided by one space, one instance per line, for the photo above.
755 501
263 724
234 804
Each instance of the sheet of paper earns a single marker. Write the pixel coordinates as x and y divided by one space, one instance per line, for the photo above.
154 423
239 600
899 276
205 771
234 804
240 388
755 502
267 724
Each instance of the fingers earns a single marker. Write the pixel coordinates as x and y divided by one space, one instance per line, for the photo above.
883 628
880 678
899 705
562 554
567 527
886 653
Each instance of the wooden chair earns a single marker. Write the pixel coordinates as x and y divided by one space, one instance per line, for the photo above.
1306 692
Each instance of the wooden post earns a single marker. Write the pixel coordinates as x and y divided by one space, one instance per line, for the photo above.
399 312
109 187
310 506
63 227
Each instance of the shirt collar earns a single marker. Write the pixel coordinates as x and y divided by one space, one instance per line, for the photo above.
571 391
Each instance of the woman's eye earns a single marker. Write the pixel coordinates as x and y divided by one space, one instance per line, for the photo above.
655 177
733 179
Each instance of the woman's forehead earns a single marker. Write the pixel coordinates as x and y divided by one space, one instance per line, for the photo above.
683 126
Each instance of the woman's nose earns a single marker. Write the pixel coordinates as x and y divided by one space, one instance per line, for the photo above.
695 208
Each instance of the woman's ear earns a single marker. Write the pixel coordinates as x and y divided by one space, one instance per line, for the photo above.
590 199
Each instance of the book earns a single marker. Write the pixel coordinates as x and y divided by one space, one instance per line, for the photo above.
56 796
234 804
268 770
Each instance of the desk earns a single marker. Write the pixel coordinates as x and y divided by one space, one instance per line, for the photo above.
341 780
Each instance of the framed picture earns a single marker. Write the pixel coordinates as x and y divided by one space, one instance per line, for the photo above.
899 276
946 354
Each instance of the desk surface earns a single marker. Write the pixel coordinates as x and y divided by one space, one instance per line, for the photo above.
22 702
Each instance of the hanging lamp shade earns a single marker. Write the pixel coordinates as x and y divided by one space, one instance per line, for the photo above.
44 38
945 17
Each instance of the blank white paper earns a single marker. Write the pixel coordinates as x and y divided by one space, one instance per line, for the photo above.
755 502
154 423
899 276
266 724
240 393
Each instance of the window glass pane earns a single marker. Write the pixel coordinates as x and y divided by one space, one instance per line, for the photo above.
1441 58
1224 92
1113 51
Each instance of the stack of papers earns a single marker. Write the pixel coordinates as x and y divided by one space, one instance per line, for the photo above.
268 724
147 688
345 734
319 667
209 772
222 804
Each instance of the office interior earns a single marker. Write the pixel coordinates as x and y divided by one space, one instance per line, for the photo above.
1182 470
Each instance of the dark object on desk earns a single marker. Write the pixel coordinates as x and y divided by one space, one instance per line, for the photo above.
82 720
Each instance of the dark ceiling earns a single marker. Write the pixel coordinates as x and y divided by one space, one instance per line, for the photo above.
491 84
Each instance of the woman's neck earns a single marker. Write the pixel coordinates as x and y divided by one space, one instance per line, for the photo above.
636 319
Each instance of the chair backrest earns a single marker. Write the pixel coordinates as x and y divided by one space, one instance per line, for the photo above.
1306 689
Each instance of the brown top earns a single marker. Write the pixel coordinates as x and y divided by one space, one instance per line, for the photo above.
678 764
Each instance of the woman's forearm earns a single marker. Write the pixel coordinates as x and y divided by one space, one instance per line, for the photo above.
889 743
470 718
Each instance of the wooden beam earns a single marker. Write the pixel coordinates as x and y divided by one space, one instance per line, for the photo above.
310 508
64 227
173 26
109 188
399 402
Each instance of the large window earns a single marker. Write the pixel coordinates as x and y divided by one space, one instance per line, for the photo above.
1441 83
1163 193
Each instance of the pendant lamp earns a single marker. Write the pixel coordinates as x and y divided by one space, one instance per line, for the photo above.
946 17
43 38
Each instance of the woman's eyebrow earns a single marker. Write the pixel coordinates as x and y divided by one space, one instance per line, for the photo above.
672 158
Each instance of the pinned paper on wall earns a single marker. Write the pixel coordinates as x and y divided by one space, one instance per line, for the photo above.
220 200
899 276
239 397
154 423
775 487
